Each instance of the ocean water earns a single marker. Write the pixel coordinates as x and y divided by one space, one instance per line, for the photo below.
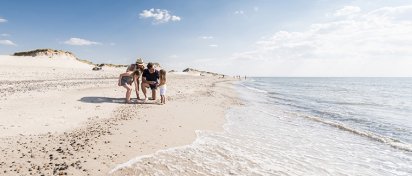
301 126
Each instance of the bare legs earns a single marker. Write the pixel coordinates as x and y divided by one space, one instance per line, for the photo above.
137 88
128 92
127 86
153 94
162 99
137 94
144 87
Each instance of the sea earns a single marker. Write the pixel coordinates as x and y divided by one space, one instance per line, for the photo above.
301 126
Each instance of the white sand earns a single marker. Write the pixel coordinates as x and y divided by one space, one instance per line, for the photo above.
41 94
59 116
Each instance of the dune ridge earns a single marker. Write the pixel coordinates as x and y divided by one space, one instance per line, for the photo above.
55 53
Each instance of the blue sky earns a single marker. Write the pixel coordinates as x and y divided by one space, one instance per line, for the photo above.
252 37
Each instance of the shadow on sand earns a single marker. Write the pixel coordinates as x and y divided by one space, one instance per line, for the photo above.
102 100
113 100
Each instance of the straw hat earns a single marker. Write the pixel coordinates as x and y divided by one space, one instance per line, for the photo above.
139 61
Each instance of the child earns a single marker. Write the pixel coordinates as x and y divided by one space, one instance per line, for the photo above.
126 79
162 86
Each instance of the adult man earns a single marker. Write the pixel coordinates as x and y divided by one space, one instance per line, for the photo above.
150 78
139 65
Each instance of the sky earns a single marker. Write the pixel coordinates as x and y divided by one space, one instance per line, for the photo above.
301 38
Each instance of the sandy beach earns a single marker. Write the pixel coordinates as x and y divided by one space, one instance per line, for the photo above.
59 117
252 88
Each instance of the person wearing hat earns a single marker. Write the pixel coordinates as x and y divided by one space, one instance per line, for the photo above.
138 65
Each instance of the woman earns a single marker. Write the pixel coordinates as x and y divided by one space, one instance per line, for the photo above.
126 80
138 66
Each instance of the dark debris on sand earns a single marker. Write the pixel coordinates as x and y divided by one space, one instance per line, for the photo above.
60 154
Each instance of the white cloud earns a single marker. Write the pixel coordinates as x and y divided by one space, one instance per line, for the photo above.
7 42
347 10
214 45
206 37
159 15
80 42
112 44
2 20
239 12
5 35
375 43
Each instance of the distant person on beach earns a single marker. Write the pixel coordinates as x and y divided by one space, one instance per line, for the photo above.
126 80
138 66
150 78
162 86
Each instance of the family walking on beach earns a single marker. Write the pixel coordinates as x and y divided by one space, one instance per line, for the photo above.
150 77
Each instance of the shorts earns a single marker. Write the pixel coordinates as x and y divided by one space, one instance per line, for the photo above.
126 80
163 90
153 86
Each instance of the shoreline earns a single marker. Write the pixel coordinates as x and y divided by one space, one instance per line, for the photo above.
97 132
218 117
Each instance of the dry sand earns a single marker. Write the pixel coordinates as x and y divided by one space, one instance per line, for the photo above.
59 117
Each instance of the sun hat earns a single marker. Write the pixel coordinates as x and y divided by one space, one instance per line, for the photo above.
139 61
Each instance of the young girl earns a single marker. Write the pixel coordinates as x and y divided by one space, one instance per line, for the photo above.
126 79
162 86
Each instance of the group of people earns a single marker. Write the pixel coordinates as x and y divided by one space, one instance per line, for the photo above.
150 78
